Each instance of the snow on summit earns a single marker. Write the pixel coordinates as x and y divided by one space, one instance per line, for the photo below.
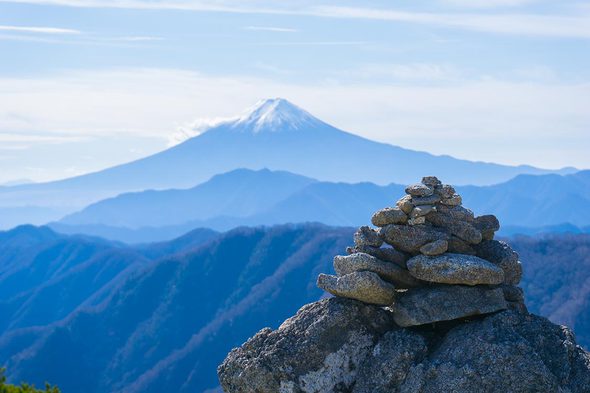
273 115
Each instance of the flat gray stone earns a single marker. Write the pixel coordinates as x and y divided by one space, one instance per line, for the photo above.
419 190
435 248
455 269
388 271
445 191
426 200
366 236
420 211
431 181
458 213
420 306
417 221
388 254
455 200
502 255
366 287
405 204
411 238
388 216
462 229
459 246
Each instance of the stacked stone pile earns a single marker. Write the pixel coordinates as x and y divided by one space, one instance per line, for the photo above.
430 259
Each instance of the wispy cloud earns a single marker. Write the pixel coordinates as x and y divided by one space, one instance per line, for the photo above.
39 30
272 29
556 25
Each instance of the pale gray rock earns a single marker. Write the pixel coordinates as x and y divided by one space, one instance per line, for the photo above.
458 213
366 236
421 306
445 191
419 190
410 239
388 271
405 204
462 229
455 269
431 181
417 221
420 211
488 225
320 349
426 200
455 200
365 286
388 216
340 345
501 254
435 248
388 254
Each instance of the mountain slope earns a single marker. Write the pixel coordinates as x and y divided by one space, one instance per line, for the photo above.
166 322
275 134
245 197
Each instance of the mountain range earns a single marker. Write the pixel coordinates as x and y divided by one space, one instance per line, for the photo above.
96 316
249 198
274 134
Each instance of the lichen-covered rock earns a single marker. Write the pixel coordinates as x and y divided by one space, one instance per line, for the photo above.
419 190
365 286
417 221
435 248
388 254
425 305
455 200
445 191
340 345
431 181
501 254
452 268
390 272
409 238
389 215
318 350
366 236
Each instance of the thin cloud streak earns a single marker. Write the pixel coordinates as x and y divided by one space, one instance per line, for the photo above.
271 29
39 30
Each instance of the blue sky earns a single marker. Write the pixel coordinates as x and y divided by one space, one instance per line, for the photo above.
86 84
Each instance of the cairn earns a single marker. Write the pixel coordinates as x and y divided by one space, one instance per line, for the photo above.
429 260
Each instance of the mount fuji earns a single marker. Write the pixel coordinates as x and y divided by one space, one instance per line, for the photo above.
274 134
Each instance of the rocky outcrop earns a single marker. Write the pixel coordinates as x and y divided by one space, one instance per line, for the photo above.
435 309
342 345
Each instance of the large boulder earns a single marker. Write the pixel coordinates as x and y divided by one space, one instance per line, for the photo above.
340 345
390 272
365 286
409 238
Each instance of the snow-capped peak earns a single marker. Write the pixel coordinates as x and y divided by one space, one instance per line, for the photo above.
275 114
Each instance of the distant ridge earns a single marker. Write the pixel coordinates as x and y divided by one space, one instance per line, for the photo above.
274 134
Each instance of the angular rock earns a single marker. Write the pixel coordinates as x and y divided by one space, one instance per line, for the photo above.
410 239
419 190
388 271
513 293
367 287
431 181
388 216
426 200
459 246
504 256
420 211
421 306
320 349
417 221
455 269
461 229
488 225
457 212
455 200
366 236
435 248
405 204
388 254
445 191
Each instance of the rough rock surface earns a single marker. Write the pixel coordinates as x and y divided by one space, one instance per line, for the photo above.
365 286
410 239
387 254
444 303
389 215
340 345
455 269
435 248
366 236
388 271
503 255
